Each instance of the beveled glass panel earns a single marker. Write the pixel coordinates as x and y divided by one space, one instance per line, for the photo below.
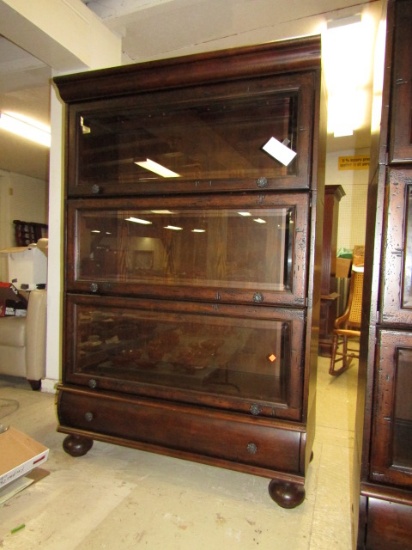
205 354
407 275
391 452
235 247
402 426
396 292
217 139
205 136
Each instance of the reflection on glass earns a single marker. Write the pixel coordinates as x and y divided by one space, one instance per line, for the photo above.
237 249
213 139
402 432
224 356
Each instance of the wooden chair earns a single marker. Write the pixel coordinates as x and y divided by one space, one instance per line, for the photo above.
347 327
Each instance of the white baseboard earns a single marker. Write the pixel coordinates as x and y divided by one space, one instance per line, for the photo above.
48 385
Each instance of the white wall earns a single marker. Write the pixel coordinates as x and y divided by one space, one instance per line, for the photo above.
68 37
21 198
352 207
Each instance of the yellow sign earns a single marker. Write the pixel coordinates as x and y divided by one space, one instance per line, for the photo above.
356 162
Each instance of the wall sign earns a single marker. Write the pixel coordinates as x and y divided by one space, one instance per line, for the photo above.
355 162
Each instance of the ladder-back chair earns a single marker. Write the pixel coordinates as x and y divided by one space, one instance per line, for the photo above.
346 333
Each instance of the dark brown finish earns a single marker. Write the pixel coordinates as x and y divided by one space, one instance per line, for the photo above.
192 300
400 138
329 294
116 272
196 70
384 413
26 233
76 445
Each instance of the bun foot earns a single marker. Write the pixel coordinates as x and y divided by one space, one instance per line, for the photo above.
286 494
76 445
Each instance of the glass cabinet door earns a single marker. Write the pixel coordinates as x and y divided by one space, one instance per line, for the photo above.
211 138
245 248
401 119
396 293
392 430
228 357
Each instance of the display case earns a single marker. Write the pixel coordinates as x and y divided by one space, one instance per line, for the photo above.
193 208
224 248
384 412
230 358
400 143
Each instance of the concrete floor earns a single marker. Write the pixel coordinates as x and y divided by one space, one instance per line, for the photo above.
117 498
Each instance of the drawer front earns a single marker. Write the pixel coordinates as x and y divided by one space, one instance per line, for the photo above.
185 429
389 525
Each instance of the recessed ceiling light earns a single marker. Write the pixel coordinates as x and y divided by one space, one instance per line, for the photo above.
157 168
138 220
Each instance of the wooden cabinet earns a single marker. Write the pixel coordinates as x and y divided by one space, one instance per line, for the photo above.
192 294
329 286
385 518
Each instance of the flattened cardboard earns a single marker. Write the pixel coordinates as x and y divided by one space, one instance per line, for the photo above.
15 487
19 454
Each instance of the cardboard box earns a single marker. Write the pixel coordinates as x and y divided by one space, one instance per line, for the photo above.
11 302
343 267
19 454
27 267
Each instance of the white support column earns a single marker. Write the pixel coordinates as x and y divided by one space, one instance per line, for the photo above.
67 37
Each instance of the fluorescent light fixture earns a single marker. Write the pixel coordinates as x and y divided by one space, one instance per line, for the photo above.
158 169
198 230
348 47
26 127
245 214
161 211
173 227
259 220
95 231
138 220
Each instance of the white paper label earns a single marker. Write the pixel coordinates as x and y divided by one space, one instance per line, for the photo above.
280 152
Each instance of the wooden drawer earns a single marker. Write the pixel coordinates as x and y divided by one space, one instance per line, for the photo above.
389 525
180 429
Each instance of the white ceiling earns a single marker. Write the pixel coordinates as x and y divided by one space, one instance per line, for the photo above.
154 29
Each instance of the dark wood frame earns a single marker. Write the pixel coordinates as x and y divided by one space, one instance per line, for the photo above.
287 443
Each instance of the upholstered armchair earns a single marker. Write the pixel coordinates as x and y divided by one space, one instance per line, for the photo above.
23 341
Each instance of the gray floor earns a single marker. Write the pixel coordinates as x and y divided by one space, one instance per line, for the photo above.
117 498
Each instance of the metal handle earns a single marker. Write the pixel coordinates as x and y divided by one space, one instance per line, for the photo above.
262 182
94 287
255 409
252 448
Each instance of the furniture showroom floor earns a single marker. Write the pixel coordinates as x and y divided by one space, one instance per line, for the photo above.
119 498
